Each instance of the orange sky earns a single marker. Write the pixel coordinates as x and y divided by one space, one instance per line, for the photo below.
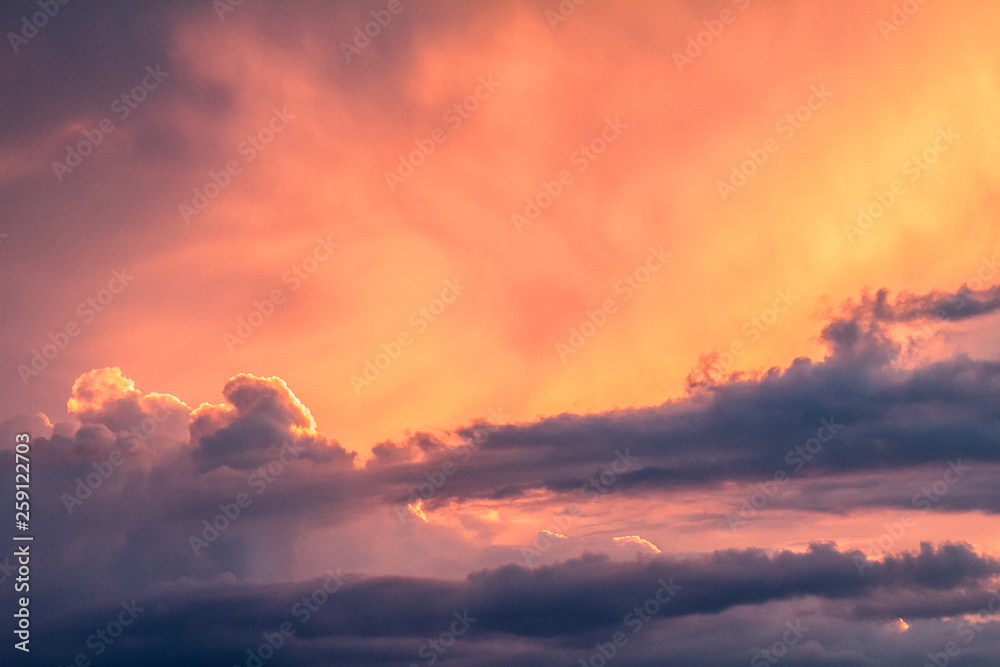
656 185
639 215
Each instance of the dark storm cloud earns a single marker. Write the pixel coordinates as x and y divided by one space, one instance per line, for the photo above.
564 608
862 412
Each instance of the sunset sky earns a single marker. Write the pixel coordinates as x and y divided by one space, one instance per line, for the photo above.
523 311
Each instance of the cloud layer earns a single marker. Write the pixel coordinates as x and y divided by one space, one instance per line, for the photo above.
201 515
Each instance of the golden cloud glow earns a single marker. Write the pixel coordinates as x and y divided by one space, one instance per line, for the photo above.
638 540
417 509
